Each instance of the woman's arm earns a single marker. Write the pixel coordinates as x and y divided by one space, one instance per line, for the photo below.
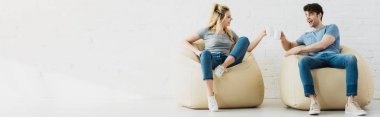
255 42
188 44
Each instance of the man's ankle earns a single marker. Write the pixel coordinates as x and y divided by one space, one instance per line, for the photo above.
313 97
350 99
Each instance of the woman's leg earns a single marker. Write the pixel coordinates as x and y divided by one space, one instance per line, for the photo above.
206 65
236 56
237 53
207 62
209 85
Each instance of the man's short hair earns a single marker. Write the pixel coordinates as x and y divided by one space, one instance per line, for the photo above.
313 8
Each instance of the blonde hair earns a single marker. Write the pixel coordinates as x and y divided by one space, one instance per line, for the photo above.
218 13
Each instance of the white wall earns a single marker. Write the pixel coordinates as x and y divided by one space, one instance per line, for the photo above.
123 49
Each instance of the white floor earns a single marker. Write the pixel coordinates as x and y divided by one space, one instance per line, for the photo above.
148 108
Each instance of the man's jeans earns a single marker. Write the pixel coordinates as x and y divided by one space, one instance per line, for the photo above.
332 60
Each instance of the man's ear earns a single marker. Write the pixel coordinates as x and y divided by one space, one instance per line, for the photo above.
320 16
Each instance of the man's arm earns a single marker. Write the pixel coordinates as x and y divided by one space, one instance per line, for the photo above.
287 45
326 41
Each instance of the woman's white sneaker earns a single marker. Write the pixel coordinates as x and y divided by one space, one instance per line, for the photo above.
212 104
219 71
314 108
354 109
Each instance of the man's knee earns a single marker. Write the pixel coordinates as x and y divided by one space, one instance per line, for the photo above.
351 59
303 61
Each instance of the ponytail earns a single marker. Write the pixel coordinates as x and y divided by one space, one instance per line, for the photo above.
218 13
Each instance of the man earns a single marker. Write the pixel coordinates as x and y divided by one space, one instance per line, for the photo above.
323 46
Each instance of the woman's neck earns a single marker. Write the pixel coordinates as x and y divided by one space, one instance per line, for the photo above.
220 32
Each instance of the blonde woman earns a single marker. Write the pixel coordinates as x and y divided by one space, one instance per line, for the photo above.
223 48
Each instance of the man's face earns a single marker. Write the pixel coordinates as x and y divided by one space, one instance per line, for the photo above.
313 19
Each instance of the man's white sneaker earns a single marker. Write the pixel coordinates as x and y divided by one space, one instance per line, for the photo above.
219 70
314 108
212 104
354 109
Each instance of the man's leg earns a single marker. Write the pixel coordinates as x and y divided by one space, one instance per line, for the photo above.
349 62
306 64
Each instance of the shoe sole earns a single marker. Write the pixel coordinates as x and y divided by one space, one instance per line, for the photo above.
356 114
315 113
213 110
218 76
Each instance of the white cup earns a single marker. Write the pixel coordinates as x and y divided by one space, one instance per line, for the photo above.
273 32
269 31
277 34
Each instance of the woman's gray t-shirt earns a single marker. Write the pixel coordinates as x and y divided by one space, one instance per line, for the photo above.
216 43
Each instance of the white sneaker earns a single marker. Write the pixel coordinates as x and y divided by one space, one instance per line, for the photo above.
314 108
212 104
219 70
354 109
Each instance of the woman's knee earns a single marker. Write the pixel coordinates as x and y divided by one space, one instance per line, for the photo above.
243 39
205 54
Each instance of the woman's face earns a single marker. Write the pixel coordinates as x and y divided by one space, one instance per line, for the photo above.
227 19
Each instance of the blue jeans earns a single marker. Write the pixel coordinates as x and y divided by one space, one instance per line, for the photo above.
210 60
331 60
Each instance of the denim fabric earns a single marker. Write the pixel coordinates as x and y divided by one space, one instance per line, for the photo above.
341 61
211 60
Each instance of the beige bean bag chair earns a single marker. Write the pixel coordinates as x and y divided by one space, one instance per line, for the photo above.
241 86
329 84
